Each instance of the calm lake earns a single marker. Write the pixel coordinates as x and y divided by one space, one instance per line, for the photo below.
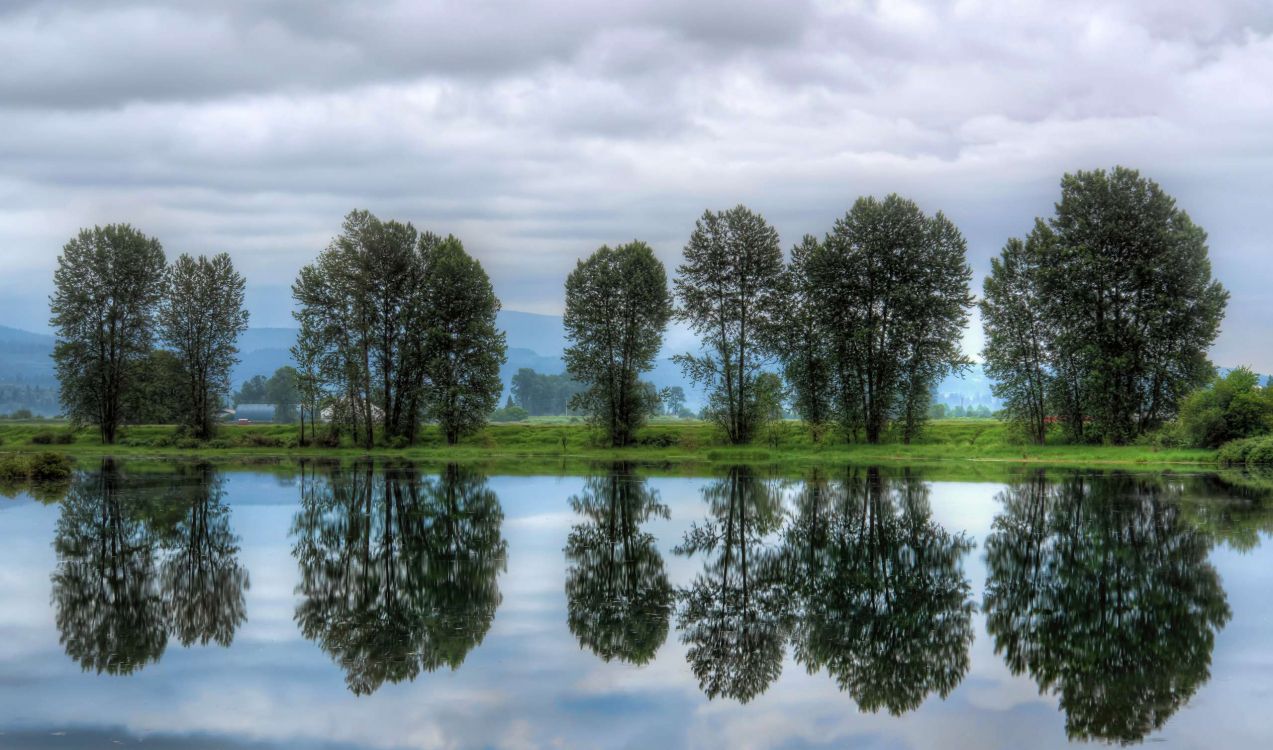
177 605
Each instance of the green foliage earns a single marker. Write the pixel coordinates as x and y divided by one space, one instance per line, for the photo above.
464 350
512 413
160 394
1255 451
730 292
1111 302
802 344
872 319
53 437
617 306
542 395
1016 339
107 288
1229 408
201 319
36 467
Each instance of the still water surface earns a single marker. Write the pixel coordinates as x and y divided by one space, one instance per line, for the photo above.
317 606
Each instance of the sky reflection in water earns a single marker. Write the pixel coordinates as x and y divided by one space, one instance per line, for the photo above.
345 607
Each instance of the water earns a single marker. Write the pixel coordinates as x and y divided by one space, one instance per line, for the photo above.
183 606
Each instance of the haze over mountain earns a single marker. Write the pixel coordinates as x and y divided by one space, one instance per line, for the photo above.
534 341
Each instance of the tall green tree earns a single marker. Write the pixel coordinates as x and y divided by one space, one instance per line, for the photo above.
463 350
894 289
617 307
729 292
1122 279
107 289
801 342
201 320
1017 336
361 305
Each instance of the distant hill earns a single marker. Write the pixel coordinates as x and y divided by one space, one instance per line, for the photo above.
534 341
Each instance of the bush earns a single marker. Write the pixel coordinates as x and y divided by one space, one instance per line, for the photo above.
1230 408
13 468
398 442
50 437
513 413
40 467
49 467
1247 452
658 440
257 440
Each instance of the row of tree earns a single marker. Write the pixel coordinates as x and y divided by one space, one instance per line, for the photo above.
115 298
864 322
1099 320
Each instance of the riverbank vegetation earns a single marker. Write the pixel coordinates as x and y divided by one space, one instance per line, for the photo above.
545 442
1097 327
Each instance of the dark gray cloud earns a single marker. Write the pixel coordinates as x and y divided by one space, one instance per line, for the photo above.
538 131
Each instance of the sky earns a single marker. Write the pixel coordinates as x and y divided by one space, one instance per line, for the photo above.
536 132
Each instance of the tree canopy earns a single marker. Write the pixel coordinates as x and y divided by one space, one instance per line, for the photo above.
617 306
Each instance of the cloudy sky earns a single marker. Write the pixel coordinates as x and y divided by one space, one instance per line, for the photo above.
536 132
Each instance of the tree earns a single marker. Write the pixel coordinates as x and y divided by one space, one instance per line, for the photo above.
1017 336
617 306
674 401
729 288
1120 280
255 390
618 596
362 312
894 286
159 394
107 288
463 349
1233 406
201 319
541 394
283 391
802 343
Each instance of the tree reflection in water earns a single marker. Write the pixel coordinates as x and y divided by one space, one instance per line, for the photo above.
1101 592
398 571
883 603
733 617
618 595
141 557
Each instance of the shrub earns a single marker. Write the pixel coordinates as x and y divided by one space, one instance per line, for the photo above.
49 467
513 413
1230 408
1247 452
658 440
50 437
13 468
257 440
398 442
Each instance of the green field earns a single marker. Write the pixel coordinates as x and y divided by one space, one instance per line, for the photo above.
552 443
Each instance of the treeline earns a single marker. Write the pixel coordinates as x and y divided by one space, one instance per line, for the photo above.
863 322
544 395
1099 321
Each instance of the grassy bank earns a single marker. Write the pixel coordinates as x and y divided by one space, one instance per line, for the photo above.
551 443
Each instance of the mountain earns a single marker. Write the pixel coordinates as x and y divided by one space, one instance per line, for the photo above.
534 341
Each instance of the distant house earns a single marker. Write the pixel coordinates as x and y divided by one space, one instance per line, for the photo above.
248 413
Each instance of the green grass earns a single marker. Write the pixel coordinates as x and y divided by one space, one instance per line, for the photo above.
557 444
